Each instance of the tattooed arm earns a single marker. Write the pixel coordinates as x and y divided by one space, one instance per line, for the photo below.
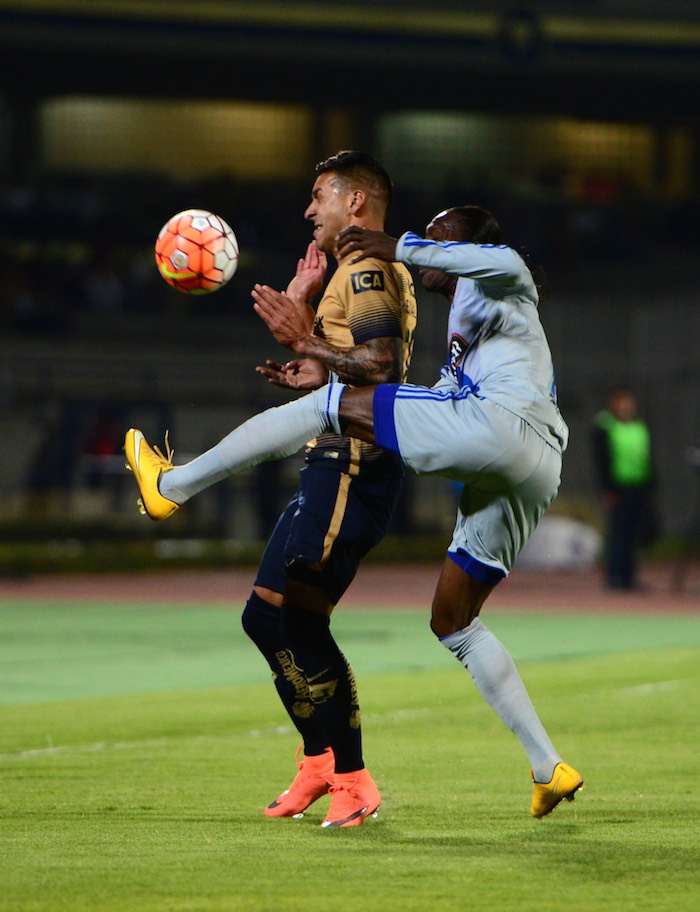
375 361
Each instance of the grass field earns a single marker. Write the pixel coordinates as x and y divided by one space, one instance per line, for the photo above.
139 744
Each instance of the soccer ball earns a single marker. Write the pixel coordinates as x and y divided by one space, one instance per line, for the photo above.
196 252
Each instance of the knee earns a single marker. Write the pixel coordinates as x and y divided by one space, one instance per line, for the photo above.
448 617
443 621
444 625
435 627
261 622
302 629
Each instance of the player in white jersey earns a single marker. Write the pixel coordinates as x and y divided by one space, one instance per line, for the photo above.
497 390
491 422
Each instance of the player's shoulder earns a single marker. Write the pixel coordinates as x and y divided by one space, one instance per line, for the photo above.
369 275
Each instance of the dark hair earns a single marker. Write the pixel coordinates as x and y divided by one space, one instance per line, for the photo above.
359 168
477 225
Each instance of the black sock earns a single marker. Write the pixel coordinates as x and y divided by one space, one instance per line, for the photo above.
331 690
262 622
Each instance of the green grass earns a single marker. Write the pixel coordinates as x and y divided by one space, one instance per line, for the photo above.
138 782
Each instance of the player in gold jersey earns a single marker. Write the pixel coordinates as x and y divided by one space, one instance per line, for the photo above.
363 328
362 332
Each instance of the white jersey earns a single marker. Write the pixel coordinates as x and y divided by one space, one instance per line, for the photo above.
496 346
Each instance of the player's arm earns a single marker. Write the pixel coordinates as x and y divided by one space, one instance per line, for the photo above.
361 243
477 261
376 360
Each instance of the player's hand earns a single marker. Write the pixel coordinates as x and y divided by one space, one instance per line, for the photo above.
360 243
305 374
289 322
311 271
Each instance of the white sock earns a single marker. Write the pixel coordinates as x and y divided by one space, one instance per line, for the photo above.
273 434
495 675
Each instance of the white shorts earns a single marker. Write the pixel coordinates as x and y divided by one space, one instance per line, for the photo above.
511 474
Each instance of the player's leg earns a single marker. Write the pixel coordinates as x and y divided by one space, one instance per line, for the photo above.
341 517
272 434
327 690
327 693
459 596
356 413
262 621
489 533
496 677
511 477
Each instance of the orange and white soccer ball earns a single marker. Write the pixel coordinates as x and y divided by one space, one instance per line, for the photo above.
196 252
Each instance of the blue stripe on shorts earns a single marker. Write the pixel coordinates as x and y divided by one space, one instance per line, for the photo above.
385 395
480 571
384 427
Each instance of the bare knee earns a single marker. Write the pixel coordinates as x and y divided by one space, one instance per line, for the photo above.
457 601
447 619
269 595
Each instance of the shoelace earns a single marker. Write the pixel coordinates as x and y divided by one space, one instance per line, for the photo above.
169 453
296 756
349 788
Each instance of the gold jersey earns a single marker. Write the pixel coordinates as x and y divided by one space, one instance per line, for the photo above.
366 300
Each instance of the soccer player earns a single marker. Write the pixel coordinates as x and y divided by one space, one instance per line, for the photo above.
491 422
362 332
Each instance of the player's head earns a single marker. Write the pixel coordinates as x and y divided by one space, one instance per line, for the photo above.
353 169
472 224
460 223
351 188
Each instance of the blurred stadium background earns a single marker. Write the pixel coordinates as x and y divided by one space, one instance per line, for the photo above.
577 123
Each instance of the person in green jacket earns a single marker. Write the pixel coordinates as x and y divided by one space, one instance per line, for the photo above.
625 470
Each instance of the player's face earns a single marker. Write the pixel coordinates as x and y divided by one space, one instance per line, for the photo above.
329 210
442 228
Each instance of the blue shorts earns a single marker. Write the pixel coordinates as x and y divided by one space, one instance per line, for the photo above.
330 524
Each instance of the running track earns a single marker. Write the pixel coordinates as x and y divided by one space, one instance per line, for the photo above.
392 585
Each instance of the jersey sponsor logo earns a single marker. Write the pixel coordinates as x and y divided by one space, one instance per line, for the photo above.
457 351
371 280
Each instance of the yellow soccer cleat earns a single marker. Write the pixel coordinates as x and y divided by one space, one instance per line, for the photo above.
564 784
148 464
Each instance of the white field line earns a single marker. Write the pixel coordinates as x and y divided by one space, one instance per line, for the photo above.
54 750
653 687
